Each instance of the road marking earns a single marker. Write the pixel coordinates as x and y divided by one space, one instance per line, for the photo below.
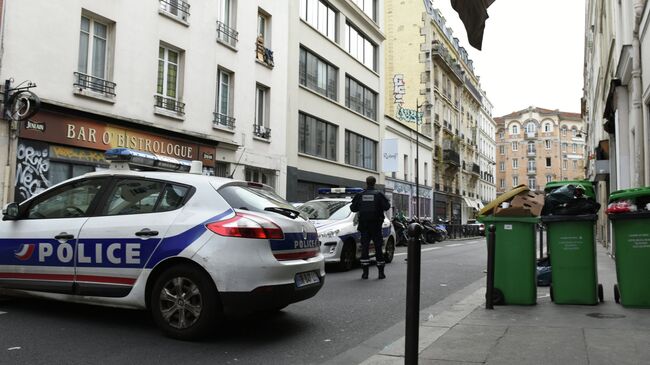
1 312
423 250
454 245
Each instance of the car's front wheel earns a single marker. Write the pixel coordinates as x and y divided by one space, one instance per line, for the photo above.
389 250
348 256
184 302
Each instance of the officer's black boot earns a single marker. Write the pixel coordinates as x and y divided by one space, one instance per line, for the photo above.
365 272
381 272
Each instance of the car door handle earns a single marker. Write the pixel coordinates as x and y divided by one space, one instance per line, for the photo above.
64 236
146 232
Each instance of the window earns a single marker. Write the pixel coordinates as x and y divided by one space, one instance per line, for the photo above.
360 151
515 181
548 162
531 147
262 106
168 79
426 173
502 166
501 135
264 54
406 167
368 7
502 149
574 131
138 196
226 24
177 8
575 147
547 127
532 183
317 138
262 22
62 171
575 164
360 99
515 129
360 47
563 130
319 15
530 128
564 164
531 166
548 144
549 178
502 183
93 64
515 163
564 146
515 146
317 74
263 176
225 93
68 201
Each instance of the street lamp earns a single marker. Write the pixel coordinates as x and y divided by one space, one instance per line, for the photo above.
417 153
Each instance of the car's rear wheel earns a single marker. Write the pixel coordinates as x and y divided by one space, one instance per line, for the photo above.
348 256
184 302
389 250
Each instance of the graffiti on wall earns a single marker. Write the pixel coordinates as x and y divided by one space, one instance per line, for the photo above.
399 90
32 166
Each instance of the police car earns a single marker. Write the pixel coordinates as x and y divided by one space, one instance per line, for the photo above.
337 227
188 247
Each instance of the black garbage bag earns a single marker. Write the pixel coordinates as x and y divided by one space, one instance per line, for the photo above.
563 201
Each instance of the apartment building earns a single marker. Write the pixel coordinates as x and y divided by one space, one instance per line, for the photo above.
427 69
194 80
486 153
536 146
334 91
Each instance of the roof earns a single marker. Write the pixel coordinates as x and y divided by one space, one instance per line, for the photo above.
542 111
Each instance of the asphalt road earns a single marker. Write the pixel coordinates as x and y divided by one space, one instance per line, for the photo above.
342 315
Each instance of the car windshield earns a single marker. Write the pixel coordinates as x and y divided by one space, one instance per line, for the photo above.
253 198
326 209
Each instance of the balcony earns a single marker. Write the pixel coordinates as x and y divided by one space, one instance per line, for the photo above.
532 171
261 131
169 104
264 55
473 90
437 186
451 157
476 169
532 152
176 8
439 51
530 135
223 121
95 84
226 35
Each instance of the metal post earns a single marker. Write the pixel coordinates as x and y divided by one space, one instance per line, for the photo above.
413 295
417 157
491 247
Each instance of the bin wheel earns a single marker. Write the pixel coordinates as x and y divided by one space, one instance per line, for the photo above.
551 291
617 294
497 297
600 293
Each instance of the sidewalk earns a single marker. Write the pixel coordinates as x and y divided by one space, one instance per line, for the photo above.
546 333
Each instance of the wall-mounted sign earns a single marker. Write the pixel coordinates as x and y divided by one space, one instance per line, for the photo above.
389 155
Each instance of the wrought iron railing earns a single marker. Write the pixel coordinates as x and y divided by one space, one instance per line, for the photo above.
96 84
476 169
223 121
178 8
261 131
226 34
169 104
452 157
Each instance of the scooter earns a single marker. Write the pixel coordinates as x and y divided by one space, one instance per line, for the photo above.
400 231
431 234
441 228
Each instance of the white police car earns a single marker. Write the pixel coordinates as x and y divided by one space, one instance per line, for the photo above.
337 228
187 247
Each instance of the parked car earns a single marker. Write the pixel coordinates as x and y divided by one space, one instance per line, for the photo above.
337 229
188 247
481 226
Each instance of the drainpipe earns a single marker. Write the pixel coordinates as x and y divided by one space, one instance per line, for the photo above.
636 114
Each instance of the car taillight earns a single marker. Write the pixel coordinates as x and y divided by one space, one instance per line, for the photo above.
247 226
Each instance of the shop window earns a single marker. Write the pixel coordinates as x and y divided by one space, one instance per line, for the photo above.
61 171
263 176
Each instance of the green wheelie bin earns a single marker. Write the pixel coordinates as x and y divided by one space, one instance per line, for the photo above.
573 255
515 269
632 248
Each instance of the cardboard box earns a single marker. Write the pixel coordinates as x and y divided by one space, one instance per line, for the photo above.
530 200
512 212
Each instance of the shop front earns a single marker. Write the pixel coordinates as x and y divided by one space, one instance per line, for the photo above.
402 197
53 147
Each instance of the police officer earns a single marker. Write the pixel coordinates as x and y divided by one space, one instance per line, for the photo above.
371 205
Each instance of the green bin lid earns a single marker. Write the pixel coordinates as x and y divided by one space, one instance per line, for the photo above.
629 193
588 185
491 219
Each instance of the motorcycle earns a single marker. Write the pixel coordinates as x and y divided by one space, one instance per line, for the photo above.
441 227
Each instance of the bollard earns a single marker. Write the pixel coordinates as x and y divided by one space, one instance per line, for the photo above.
413 295
491 246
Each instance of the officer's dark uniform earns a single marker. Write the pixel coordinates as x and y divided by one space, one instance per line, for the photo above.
371 205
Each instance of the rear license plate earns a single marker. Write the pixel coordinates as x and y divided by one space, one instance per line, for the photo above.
306 278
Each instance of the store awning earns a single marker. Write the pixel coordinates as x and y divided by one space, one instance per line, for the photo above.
479 204
468 202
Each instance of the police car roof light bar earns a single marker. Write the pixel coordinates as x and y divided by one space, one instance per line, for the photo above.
120 156
339 190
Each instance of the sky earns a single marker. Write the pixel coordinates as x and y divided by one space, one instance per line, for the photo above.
532 53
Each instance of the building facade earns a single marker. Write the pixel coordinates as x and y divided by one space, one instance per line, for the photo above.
536 146
429 77
176 78
486 152
616 100
335 114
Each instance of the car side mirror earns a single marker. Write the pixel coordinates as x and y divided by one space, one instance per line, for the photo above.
10 212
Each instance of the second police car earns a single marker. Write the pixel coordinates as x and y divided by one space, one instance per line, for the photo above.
337 227
185 246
